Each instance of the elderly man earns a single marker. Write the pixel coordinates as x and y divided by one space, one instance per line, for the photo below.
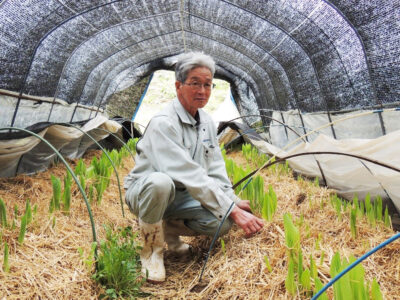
179 184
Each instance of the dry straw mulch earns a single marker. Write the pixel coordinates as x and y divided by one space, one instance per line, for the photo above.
48 265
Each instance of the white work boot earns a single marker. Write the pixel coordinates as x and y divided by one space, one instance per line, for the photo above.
152 254
172 230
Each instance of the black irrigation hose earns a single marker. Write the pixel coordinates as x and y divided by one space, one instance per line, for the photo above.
268 117
272 163
301 154
214 239
73 175
109 158
316 153
246 132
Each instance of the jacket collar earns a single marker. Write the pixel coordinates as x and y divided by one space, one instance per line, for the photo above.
184 115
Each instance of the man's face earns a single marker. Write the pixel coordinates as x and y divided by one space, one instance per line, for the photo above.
196 90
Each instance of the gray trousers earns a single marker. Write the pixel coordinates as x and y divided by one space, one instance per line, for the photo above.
154 197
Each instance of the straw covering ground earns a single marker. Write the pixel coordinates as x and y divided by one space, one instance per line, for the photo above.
49 266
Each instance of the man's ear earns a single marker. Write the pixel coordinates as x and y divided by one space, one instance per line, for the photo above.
178 86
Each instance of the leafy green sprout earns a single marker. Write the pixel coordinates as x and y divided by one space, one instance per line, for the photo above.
260 201
267 263
3 214
88 260
223 247
352 285
6 266
22 231
118 266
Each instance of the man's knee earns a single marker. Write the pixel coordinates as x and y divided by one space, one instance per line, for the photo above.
149 197
209 227
159 184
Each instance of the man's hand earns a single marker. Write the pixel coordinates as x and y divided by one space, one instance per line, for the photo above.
247 221
245 205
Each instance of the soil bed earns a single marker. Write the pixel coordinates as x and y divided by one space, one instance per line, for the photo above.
48 264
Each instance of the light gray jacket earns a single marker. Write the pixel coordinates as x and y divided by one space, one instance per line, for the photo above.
188 153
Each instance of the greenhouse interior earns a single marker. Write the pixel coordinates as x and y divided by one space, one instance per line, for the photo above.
308 129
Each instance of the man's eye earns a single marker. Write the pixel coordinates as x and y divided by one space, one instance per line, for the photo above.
207 85
196 84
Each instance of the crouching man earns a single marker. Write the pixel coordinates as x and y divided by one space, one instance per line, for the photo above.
179 184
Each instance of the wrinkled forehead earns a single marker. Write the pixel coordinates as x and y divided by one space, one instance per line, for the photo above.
200 73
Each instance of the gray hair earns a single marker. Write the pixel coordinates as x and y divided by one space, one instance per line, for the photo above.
191 60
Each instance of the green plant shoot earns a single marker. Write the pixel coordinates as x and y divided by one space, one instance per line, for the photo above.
55 204
3 214
267 264
22 231
6 266
28 212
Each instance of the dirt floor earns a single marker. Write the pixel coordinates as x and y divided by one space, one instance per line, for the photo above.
49 266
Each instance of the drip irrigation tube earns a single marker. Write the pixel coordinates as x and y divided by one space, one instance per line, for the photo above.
73 175
270 163
268 117
351 266
283 159
322 127
109 158
214 239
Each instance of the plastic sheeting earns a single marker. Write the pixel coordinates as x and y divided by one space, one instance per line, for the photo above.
348 175
29 155
38 109
368 125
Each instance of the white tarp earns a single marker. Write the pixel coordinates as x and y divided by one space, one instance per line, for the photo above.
348 175
35 111
29 155
360 136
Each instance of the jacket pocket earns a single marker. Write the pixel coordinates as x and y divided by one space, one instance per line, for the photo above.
208 152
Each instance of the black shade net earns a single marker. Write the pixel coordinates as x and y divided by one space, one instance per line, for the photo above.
278 55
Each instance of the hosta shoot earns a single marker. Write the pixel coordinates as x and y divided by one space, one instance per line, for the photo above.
353 222
22 231
387 220
66 197
290 283
318 287
223 247
28 212
3 213
132 144
352 285
253 190
55 201
6 266
292 234
267 263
